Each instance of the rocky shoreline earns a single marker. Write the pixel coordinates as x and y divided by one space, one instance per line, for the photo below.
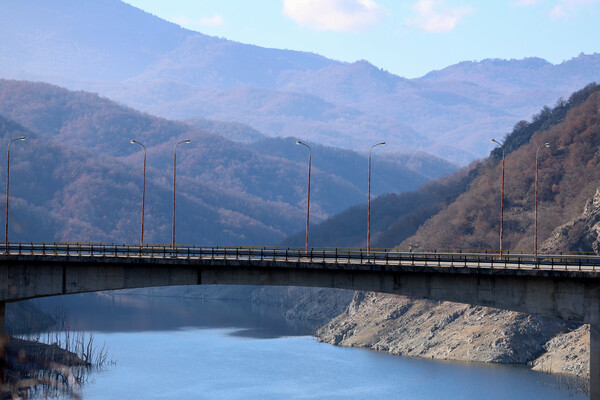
420 328
451 331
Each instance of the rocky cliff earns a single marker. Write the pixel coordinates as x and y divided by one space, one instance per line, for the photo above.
580 234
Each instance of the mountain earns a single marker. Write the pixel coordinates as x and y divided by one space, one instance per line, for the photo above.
232 193
123 53
234 131
66 193
462 210
568 177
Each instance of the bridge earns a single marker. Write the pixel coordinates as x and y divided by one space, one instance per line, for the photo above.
563 285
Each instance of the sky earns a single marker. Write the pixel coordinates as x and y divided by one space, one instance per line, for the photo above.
406 37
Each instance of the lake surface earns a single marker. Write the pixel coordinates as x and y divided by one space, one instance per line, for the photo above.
170 348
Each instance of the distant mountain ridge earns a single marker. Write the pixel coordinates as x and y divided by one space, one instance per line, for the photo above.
232 193
109 47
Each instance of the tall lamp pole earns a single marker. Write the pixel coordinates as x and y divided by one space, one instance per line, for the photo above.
535 240
501 195
7 187
143 189
369 200
174 176
308 200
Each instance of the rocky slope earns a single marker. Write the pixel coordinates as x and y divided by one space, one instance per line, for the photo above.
567 353
580 234
441 330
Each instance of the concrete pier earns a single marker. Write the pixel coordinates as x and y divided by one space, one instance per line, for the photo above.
2 316
595 352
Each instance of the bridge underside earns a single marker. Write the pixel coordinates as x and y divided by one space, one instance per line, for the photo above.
564 294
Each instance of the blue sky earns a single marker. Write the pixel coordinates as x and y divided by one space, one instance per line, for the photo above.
406 37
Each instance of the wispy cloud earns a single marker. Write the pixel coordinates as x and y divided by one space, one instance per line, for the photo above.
526 3
436 16
214 21
568 8
335 15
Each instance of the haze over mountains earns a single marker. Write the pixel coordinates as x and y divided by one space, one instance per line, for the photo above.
123 53
89 183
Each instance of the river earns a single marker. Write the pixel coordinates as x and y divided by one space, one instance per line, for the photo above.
173 348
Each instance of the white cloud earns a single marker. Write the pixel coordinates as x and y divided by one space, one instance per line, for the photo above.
214 21
335 15
558 12
525 3
567 8
435 16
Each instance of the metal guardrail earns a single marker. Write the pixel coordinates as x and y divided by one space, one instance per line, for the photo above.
388 257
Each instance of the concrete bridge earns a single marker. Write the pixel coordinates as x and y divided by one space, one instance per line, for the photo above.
558 285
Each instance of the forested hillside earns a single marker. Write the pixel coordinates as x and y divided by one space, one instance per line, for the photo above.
568 177
228 193
75 194
463 210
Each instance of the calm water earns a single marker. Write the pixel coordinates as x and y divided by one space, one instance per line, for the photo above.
168 348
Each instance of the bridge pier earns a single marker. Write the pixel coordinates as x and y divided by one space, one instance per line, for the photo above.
2 312
595 354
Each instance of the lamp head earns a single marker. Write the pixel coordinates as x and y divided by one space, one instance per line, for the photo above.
22 138
187 140
132 141
547 144
298 142
382 143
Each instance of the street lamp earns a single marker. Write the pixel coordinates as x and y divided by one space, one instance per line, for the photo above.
501 195
174 176
308 201
535 248
143 189
7 187
369 200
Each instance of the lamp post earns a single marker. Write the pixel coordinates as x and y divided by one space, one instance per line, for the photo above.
7 188
143 189
174 176
308 200
501 195
535 240
369 199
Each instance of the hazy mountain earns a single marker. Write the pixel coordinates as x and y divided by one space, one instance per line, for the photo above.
123 53
238 194
233 131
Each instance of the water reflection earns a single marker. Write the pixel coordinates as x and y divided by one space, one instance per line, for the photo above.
121 312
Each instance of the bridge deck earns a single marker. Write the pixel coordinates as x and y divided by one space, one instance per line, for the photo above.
572 262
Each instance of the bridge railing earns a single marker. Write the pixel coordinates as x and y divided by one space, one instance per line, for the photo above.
376 257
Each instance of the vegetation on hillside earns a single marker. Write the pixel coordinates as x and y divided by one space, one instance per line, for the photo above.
79 178
568 177
463 210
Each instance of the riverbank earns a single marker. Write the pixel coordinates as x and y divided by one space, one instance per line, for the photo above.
31 368
450 331
419 328
411 327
